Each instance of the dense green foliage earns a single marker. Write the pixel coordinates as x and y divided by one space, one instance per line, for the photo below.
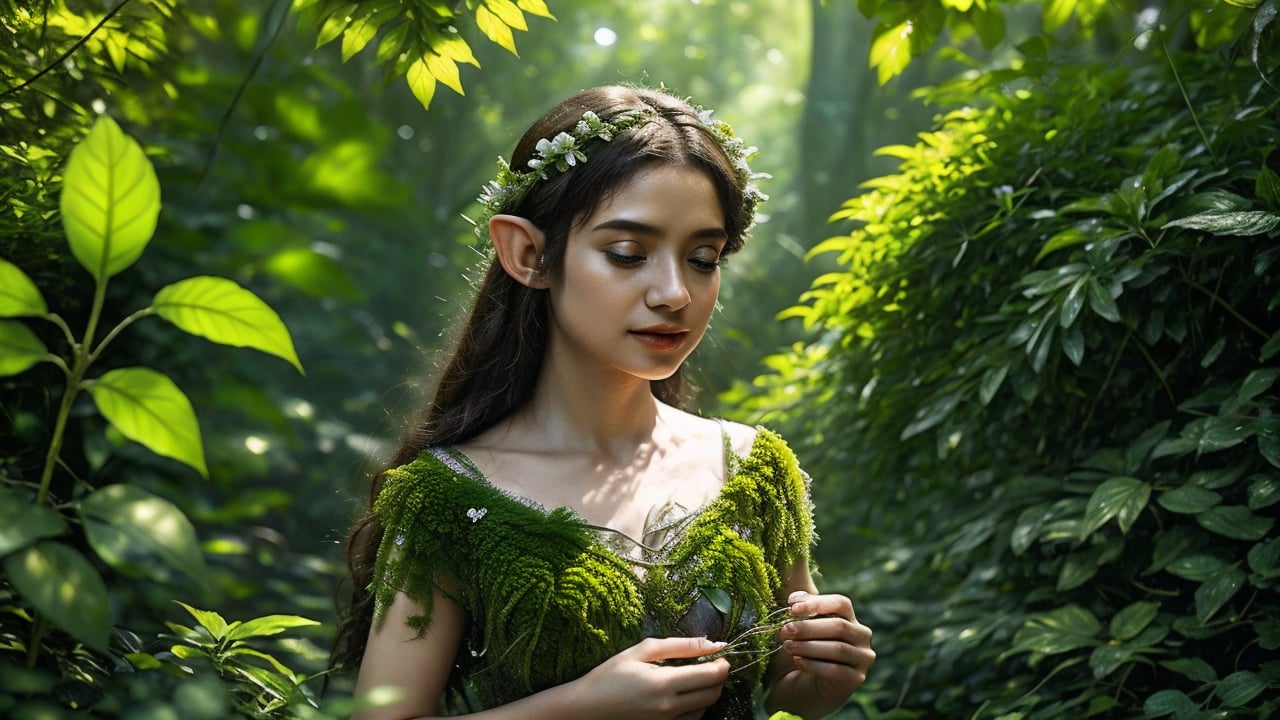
1040 395
314 180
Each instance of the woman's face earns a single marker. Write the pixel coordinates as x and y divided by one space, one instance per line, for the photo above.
641 275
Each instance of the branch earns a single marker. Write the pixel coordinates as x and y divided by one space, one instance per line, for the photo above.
79 44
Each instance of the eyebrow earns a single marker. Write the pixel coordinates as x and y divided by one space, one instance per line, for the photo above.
712 233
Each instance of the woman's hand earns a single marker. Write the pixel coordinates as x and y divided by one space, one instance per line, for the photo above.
633 686
827 646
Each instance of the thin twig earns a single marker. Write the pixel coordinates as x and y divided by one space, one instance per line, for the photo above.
225 121
1159 375
1227 306
79 44
1106 381
1185 98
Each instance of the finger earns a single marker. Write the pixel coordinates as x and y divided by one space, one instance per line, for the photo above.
836 674
803 604
710 675
831 651
699 699
827 628
658 649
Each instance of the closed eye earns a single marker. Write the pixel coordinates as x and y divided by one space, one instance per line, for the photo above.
704 265
623 259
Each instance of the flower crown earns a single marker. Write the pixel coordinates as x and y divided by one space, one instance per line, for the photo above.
556 155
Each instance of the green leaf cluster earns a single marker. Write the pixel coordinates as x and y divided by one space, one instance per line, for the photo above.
110 200
259 683
910 29
419 40
1039 394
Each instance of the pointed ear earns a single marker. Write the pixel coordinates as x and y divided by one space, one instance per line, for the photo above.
519 245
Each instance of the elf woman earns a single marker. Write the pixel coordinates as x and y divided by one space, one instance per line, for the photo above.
557 537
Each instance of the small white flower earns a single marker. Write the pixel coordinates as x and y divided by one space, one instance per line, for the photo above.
490 193
476 513
560 146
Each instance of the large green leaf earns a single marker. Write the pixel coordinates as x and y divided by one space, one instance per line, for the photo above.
1217 590
220 310
125 523
1235 521
1196 566
1079 567
1188 499
18 295
1249 222
208 619
1264 558
267 625
274 685
495 29
421 82
1220 433
930 415
1106 658
1166 702
1061 630
22 522
1172 545
1268 184
1240 687
535 7
110 200
61 585
19 348
1101 301
1026 530
1121 498
1133 619
1264 491
315 274
891 51
148 408
1257 382
1193 667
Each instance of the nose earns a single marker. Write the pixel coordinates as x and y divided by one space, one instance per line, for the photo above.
667 287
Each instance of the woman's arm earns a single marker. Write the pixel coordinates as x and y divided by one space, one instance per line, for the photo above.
415 667
628 686
824 657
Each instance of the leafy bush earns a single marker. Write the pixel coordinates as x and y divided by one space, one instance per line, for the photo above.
1041 402
60 532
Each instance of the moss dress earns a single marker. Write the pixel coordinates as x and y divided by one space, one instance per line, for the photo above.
548 596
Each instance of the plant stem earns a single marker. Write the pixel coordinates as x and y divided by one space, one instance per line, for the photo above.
56 319
1227 306
37 636
144 312
79 364
59 426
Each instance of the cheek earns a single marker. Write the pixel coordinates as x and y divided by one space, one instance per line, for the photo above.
712 293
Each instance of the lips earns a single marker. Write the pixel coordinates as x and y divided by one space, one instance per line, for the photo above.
662 337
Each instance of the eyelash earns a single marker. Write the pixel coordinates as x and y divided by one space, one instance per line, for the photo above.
699 264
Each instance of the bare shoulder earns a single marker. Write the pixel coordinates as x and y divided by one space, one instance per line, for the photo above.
741 437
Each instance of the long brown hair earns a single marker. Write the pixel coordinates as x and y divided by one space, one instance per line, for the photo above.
498 354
